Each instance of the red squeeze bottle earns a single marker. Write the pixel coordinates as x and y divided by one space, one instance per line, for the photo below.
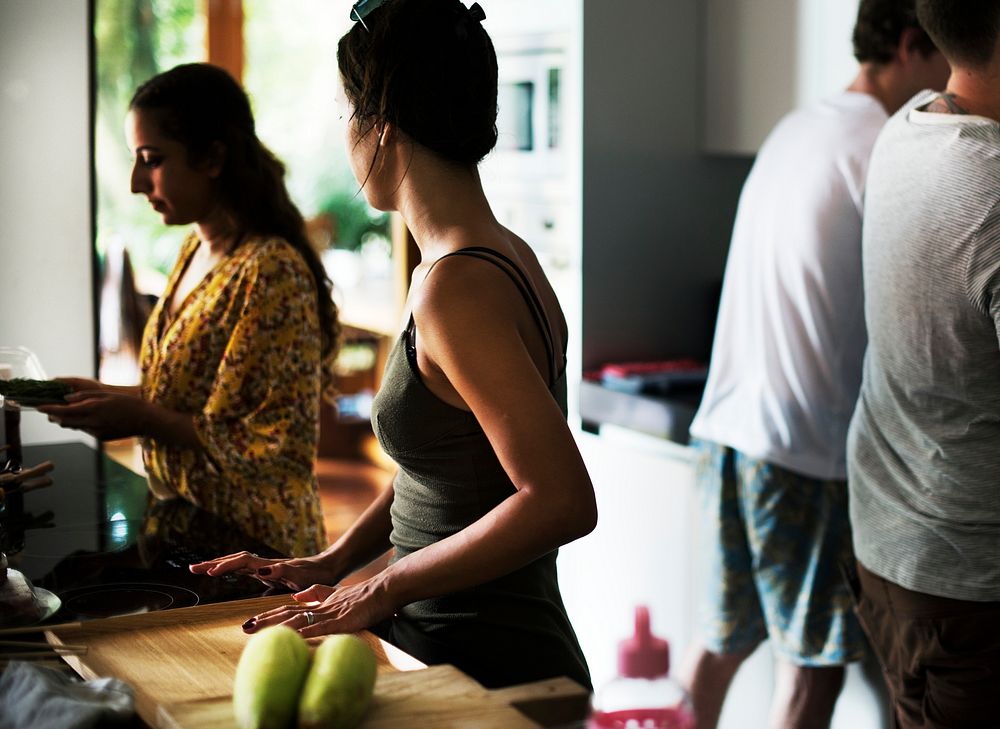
644 696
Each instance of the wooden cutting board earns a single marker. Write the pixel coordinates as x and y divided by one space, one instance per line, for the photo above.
181 664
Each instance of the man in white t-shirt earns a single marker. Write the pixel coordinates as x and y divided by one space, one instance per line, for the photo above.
784 377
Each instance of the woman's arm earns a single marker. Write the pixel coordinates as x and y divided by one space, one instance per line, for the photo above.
467 333
81 384
108 412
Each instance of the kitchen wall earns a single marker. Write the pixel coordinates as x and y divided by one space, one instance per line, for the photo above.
765 57
46 300
657 213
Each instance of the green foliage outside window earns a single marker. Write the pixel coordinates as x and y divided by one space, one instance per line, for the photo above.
135 39
291 75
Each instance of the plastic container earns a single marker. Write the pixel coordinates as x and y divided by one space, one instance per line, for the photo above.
644 696
20 362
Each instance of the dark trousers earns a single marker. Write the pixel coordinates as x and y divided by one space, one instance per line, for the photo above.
940 657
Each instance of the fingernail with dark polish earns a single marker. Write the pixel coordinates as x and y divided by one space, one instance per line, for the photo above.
249 625
264 571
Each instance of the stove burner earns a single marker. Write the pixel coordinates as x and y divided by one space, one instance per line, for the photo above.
124 598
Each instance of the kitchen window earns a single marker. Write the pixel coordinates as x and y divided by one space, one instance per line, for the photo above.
285 55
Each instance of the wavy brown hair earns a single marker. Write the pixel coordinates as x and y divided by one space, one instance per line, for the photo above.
200 105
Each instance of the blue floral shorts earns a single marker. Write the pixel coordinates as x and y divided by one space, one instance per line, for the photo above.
773 543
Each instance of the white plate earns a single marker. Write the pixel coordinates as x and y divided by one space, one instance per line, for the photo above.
49 602
48 605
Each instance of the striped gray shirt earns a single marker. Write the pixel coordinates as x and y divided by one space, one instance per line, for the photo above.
924 443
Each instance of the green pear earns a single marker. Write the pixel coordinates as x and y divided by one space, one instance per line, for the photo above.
340 684
269 678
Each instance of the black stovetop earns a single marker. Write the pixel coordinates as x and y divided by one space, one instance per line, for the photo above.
105 546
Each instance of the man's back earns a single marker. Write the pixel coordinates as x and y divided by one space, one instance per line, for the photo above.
787 360
925 439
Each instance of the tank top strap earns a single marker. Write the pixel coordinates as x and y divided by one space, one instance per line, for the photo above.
523 284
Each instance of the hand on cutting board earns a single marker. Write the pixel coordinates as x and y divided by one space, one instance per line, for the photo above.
346 609
294 574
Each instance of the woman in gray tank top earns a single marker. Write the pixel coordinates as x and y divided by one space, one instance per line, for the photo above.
473 402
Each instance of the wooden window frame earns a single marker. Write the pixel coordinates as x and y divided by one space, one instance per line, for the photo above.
224 35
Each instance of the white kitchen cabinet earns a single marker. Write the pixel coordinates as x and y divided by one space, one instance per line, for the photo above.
762 58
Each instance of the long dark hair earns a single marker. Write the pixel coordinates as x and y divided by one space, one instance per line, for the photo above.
200 105
429 68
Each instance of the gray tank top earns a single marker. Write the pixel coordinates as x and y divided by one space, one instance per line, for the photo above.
513 629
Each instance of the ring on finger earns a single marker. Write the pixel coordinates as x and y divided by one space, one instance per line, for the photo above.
310 617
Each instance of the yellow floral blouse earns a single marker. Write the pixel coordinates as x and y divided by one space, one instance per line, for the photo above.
242 355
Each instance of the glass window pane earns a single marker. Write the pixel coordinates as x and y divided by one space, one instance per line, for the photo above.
135 39
514 115
291 76
555 108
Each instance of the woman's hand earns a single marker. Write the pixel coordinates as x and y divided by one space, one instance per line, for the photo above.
83 383
340 610
295 574
105 413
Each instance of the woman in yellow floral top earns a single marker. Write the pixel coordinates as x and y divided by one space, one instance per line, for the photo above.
238 350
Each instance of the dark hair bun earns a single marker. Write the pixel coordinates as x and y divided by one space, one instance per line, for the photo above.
428 67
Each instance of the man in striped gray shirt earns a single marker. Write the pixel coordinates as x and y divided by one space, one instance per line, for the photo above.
924 443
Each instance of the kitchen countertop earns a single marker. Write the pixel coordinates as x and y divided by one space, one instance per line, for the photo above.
666 416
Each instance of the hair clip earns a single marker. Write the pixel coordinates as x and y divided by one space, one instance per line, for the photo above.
361 9
477 12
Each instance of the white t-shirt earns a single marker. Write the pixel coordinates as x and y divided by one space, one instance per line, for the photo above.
790 338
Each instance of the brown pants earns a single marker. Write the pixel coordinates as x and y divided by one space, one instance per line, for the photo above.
940 657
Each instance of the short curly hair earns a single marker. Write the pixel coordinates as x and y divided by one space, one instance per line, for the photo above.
965 31
879 27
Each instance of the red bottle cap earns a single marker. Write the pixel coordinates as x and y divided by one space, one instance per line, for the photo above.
643 655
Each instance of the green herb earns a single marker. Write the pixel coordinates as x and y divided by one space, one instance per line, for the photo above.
21 388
